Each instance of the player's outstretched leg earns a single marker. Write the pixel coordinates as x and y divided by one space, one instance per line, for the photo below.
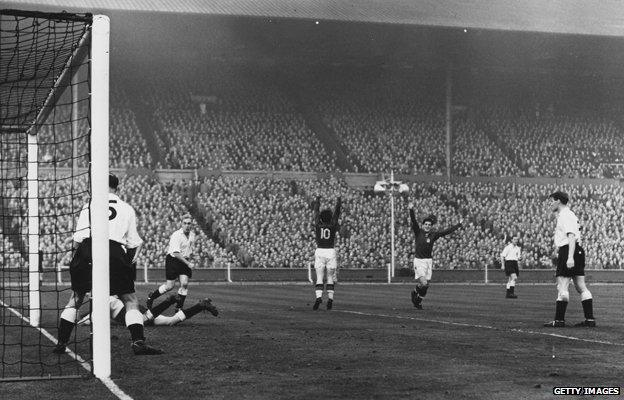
203 305
160 308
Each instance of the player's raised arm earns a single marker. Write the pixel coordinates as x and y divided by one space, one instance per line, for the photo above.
316 207
415 226
451 229
337 211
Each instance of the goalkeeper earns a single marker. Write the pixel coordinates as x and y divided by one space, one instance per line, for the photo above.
423 260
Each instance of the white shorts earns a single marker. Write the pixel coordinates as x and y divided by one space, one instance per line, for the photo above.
325 260
423 267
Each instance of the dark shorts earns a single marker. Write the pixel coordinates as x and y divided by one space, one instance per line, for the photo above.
579 262
511 267
121 273
174 268
80 268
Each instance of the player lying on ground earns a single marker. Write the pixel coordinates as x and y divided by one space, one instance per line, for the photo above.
423 259
153 316
325 259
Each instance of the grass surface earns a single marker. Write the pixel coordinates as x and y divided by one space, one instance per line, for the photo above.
468 343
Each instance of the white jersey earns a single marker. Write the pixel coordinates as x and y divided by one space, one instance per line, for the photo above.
180 243
567 222
122 224
511 252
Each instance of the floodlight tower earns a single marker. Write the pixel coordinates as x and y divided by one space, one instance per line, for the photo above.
391 186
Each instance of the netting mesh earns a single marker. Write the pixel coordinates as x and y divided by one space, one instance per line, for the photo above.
44 92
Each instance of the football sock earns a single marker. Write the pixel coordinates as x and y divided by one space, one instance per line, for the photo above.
588 308
560 310
330 291
193 310
319 290
160 308
156 293
66 324
64 331
136 332
134 322
180 302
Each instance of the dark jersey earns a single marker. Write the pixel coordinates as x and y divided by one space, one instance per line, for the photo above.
326 232
425 240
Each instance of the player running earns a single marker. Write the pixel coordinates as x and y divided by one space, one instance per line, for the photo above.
325 259
177 263
423 260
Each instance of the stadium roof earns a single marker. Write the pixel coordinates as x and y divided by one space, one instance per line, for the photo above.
588 17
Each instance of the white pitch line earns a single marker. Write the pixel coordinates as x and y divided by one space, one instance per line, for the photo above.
518 330
116 390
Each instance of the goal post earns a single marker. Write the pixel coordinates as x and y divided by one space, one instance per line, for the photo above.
99 195
54 134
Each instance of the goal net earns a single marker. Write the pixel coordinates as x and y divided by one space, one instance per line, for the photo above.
46 176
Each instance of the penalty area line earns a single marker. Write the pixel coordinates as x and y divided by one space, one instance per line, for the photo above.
479 326
114 389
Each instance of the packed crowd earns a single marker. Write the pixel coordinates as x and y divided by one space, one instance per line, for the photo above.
474 154
235 124
385 129
561 145
64 137
264 222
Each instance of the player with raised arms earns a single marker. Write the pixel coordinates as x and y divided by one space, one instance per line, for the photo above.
325 258
423 259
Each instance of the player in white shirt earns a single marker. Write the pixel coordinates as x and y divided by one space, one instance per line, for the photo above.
570 262
124 242
509 262
178 264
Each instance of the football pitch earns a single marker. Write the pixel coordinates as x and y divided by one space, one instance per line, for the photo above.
469 342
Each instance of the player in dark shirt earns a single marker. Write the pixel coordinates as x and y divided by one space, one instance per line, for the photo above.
325 260
423 259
